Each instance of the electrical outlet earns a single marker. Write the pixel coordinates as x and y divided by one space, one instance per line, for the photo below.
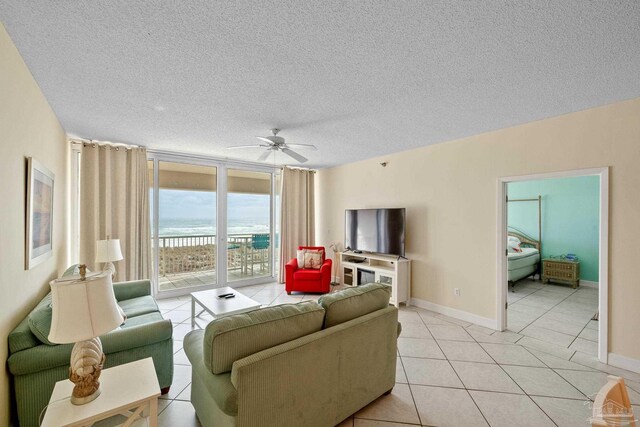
456 292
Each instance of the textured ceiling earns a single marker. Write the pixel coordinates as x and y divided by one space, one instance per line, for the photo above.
356 78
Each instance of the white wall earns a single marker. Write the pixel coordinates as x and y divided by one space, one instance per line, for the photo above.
449 191
28 127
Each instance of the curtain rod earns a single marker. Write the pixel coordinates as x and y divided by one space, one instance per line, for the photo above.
82 141
172 155
294 168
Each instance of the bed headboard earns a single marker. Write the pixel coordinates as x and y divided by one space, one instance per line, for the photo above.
526 240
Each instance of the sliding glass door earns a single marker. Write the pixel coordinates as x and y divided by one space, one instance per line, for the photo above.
185 246
249 219
212 224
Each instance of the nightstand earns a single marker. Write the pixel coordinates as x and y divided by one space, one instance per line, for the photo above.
561 270
130 389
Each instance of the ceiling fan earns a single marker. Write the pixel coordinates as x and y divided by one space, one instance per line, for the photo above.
276 143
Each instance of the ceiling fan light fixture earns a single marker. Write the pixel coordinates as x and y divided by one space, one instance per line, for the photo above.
277 143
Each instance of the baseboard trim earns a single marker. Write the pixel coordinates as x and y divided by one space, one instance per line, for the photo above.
455 313
589 284
624 362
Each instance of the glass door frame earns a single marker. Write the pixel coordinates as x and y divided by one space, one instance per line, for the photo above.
221 166
274 173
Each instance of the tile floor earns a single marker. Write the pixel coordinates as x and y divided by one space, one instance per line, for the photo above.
555 314
454 373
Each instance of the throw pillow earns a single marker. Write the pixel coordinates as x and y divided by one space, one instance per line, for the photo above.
313 260
300 257
40 320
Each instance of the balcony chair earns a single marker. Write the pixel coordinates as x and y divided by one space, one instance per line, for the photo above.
308 280
260 243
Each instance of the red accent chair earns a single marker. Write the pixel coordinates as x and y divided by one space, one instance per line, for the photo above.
308 280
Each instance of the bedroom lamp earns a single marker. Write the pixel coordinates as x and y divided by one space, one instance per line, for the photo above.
108 251
83 309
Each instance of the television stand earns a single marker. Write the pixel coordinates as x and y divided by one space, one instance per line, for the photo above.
388 270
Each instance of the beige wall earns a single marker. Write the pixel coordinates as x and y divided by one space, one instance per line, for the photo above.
450 190
28 127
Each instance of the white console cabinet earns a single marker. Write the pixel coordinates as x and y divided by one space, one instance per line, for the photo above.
386 269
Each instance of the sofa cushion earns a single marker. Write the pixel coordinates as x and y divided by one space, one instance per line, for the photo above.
40 317
219 386
355 302
138 306
307 275
40 320
142 319
234 337
122 341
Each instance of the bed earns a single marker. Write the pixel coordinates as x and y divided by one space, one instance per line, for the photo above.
526 263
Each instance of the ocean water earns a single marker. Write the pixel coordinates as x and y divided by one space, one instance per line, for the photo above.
207 227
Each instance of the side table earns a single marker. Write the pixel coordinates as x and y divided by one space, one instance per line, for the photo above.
561 270
130 390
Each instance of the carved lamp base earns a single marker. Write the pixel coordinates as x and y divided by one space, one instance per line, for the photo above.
87 360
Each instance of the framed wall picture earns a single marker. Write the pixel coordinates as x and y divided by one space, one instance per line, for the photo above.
39 227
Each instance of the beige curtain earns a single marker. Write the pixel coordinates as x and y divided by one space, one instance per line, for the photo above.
114 202
297 214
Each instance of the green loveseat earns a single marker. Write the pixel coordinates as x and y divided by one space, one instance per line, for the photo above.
307 364
36 364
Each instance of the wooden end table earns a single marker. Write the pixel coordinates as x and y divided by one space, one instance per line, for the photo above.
220 307
561 270
130 390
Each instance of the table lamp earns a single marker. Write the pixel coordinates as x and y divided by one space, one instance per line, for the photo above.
108 251
83 309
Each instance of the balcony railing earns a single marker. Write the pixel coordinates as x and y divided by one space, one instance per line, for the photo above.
188 254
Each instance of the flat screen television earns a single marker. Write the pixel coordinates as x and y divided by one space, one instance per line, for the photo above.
375 230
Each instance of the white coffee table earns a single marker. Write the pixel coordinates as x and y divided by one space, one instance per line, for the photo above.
131 390
220 307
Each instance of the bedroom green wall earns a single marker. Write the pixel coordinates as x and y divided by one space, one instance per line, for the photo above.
570 217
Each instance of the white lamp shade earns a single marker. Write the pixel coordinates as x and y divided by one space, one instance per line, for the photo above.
108 250
83 309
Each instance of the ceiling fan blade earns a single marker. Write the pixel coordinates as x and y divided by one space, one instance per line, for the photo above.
295 155
234 147
264 155
307 146
265 139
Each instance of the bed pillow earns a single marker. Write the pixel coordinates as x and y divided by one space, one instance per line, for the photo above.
513 247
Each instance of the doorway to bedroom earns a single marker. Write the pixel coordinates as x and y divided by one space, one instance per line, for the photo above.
551 279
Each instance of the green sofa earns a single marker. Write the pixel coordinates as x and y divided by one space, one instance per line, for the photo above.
36 364
306 364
